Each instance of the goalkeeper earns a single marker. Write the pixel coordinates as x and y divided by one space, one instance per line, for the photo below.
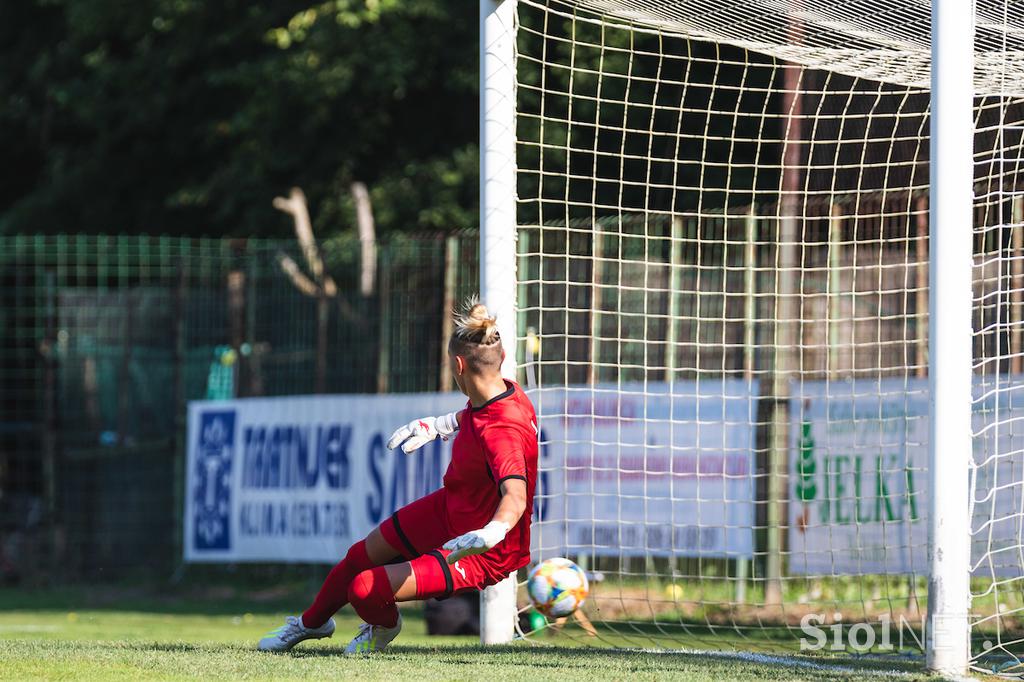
471 533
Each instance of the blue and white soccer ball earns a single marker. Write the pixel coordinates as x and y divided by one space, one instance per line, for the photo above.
557 587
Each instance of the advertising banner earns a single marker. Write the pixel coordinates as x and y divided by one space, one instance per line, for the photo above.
299 479
647 469
628 470
859 477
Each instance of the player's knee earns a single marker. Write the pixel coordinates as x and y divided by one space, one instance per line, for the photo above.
370 587
357 557
361 587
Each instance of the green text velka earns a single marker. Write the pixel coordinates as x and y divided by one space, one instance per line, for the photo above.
852 492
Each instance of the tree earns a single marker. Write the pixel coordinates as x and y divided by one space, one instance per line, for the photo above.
187 117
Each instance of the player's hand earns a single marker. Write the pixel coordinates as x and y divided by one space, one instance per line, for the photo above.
476 541
419 432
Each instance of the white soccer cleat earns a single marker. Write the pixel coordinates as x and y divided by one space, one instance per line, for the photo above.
293 632
373 638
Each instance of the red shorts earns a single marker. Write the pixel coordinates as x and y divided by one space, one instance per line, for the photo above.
417 532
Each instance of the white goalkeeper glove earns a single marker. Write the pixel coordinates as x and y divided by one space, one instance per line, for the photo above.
419 432
477 541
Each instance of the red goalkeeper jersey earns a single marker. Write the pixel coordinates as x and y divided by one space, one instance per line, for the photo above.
496 441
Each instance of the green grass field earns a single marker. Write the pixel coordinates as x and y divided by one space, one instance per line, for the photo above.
97 634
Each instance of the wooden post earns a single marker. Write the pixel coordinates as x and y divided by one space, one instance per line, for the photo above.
674 284
236 322
594 369
322 318
384 310
1016 284
596 275
180 412
749 354
750 301
48 435
921 220
250 363
524 334
835 285
124 390
788 269
451 271
675 259
833 303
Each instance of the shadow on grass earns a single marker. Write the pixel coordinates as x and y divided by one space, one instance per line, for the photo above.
561 657
195 589
191 600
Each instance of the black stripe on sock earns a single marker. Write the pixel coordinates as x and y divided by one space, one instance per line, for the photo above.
401 536
448 584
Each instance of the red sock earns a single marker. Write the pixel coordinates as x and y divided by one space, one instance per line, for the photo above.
373 599
334 593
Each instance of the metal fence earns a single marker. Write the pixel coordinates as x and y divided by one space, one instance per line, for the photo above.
103 340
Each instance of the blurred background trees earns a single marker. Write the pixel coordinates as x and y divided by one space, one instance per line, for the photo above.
187 117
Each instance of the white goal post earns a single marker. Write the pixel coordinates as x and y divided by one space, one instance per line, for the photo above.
761 267
498 235
949 335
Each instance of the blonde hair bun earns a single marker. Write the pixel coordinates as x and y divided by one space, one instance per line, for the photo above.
476 325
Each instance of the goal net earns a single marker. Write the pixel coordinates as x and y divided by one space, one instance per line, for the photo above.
723 235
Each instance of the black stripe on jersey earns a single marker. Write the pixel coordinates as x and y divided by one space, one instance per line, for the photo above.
521 478
507 393
446 569
402 536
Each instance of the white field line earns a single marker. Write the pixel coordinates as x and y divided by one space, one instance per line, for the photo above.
29 627
798 662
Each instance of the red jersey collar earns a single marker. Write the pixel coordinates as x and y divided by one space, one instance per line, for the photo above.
511 389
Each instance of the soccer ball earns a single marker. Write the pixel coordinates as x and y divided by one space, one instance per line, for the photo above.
557 587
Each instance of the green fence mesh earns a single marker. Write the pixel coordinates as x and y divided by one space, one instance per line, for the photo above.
103 340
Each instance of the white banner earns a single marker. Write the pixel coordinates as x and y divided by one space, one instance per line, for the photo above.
634 470
625 470
859 477
299 479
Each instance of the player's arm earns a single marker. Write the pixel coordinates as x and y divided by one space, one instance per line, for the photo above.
510 509
513 503
419 432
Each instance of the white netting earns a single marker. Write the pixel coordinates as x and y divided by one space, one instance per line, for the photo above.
882 40
724 310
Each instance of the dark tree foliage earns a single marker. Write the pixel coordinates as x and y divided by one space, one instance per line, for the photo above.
189 116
